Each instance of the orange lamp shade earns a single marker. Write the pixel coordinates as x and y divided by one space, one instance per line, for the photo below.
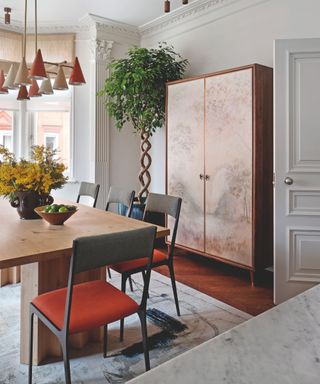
2 79
38 71
76 77
34 89
23 93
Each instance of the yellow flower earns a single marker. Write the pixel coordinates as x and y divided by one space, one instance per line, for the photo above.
42 174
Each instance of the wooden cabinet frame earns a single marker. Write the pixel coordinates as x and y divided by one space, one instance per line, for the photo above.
262 166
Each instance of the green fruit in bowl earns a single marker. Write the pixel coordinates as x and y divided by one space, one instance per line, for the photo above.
63 209
59 208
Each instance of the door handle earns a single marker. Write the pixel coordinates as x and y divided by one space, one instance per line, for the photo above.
201 176
288 181
207 177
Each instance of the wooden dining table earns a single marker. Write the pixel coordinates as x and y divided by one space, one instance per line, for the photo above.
43 251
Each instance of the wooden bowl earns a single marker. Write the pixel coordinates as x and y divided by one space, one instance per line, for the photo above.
56 218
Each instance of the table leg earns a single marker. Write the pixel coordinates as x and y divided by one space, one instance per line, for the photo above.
38 278
9 276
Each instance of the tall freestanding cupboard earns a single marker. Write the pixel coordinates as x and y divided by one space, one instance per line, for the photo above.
219 160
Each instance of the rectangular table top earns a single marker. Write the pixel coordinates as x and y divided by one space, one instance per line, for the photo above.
29 241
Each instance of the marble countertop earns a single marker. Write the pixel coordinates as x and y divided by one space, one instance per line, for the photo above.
281 346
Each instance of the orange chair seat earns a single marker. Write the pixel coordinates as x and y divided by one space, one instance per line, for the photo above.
131 265
94 304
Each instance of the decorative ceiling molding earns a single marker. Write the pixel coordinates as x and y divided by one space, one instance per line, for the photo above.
195 10
108 26
198 9
47 28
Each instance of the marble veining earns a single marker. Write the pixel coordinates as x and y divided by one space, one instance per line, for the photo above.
280 346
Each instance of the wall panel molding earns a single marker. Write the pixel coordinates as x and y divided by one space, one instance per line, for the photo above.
304 247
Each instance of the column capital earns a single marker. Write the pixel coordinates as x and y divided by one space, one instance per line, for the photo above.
101 50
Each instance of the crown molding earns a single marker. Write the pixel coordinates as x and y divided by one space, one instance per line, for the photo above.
52 27
195 12
111 27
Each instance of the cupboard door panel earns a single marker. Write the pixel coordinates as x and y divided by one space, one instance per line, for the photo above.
228 163
185 119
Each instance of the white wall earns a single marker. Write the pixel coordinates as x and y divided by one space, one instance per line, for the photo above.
123 147
233 38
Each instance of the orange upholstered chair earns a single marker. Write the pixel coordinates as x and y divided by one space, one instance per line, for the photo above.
171 206
85 306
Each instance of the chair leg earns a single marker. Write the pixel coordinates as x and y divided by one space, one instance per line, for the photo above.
143 321
105 340
174 287
109 272
30 347
123 289
144 281
130 282
65 351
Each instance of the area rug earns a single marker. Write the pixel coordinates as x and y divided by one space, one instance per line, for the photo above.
202 318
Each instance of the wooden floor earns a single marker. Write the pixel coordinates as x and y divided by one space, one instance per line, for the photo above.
223 282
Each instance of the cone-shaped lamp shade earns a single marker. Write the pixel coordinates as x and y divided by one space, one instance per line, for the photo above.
60 82
76 77
46 87
22 74
38 71
34 89
23 93
9 82
2 90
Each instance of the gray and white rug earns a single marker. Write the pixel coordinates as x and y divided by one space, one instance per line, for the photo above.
202 318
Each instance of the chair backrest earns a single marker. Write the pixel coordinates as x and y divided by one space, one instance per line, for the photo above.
120 196
89 189
169 205
98 251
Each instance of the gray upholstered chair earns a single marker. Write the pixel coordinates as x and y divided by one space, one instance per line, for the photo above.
120 196
125 198
171 206
67 311
89 189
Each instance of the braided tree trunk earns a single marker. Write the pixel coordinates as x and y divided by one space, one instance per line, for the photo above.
145 162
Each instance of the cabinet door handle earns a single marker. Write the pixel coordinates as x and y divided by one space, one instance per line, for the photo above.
201 176
207 177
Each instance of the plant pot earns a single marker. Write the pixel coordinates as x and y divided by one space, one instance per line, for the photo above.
26 202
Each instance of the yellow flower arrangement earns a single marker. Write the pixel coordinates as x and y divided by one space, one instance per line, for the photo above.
41 174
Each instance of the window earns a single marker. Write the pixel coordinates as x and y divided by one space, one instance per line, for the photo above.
6 129
50 121
52 129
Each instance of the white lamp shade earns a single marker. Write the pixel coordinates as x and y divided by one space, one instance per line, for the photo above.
22 74
46 87
60 82
9 82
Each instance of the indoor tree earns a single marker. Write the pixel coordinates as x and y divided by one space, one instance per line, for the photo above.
135 92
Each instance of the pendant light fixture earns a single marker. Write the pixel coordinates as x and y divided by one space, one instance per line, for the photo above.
9 82
2 90
34 89
23 93
38 71
76 77
7 16
46 86
22 77
60 83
